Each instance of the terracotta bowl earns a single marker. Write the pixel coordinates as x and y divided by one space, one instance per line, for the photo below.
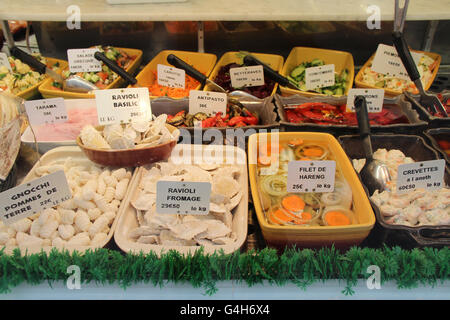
129 157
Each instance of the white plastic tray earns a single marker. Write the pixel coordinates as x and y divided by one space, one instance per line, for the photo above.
128 220
76 154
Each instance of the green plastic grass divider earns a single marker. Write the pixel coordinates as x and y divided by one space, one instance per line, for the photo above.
407 268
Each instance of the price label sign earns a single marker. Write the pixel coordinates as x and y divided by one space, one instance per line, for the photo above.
207 102
122 105
83 60
181 197
319 77
171 77
4 62
46 111
247 76
387 61
34 196
421 175
374 99
311 176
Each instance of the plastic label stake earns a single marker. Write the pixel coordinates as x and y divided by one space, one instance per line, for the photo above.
122 105
83 60
311 176
427 175
181 197
32 197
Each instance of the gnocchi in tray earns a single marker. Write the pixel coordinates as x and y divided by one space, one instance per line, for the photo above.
84 221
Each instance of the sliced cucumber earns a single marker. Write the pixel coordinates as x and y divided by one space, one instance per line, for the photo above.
317 62
297 72
95 78
339 92
344 74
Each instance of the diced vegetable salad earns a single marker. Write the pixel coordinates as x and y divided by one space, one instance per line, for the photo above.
297 75
105 77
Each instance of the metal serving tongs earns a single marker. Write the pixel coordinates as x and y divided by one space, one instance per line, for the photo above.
374 174
73 83
427 100
197 75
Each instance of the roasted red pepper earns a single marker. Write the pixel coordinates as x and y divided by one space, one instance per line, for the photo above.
235 120
209 122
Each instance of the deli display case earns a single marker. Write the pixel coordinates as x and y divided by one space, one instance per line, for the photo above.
186 167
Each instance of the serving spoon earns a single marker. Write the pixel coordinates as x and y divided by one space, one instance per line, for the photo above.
375 173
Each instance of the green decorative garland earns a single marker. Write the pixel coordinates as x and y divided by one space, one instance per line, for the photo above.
408 268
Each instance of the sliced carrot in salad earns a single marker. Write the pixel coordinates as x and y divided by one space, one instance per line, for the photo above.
265 156
279 217
313 152
336 218
295 142
293 203
305 218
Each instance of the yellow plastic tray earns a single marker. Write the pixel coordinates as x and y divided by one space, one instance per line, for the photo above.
203 62
33 91
341 60
390 92
272 60
312 237
46 87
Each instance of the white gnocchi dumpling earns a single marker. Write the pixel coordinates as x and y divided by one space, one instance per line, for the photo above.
83 220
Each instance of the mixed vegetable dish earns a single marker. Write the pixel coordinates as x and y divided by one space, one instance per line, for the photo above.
106 76
297 76
236 116
425 67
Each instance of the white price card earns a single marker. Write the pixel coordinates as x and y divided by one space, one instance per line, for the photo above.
247 76
319 77
83 60
427 175
387 61
181 197
32 197
311 176
374 99
46 111
207 102
122 105
4 62
171 77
